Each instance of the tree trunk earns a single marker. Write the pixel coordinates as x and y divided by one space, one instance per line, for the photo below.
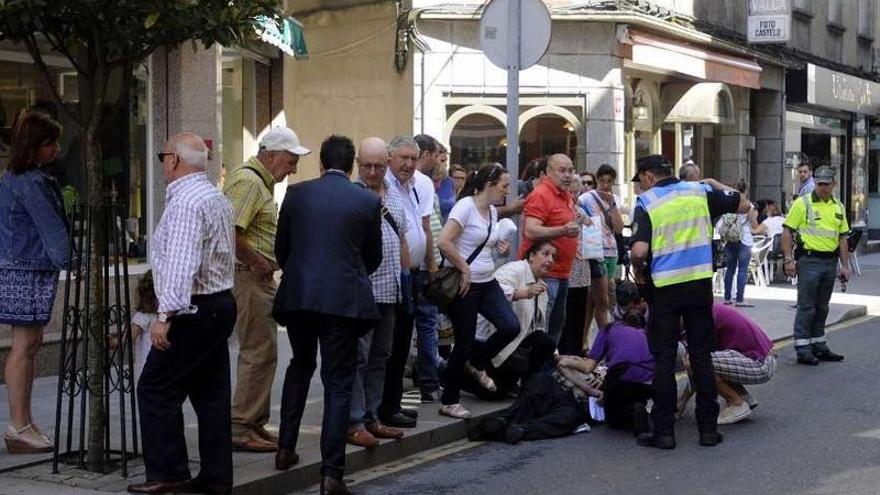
97 344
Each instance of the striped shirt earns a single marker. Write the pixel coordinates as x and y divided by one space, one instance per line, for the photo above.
386 278
193 248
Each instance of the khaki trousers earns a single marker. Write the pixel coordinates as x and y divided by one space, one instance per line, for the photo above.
258 352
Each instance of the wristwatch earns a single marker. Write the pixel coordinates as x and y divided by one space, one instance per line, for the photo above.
164 317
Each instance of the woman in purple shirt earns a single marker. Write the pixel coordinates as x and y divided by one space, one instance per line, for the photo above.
623 346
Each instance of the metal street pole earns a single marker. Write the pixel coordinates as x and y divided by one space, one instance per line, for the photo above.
514 42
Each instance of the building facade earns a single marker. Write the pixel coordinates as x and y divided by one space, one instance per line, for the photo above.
619 80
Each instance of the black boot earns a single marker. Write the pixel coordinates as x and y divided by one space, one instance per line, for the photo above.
828 355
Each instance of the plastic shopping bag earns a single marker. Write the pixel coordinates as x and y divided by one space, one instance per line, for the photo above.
591 240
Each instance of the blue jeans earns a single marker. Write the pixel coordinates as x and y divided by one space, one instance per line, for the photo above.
374 349
815 285
738 256
487 299
557 292
427 328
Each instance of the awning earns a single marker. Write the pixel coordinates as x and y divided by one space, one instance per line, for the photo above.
286 34
669 55
707 103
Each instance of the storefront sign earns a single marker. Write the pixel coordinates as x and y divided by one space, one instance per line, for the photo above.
824 87
769 21
286 34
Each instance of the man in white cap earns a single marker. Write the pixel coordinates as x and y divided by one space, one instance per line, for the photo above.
250 190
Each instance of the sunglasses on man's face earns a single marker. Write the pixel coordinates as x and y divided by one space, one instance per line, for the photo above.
162 156
589 183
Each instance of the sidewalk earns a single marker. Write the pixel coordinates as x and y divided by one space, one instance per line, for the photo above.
255 473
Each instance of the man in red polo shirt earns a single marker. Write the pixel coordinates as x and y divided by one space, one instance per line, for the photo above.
549 215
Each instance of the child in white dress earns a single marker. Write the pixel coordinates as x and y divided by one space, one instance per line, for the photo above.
145 314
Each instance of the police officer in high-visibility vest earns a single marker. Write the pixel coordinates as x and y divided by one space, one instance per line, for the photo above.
672 258
819 219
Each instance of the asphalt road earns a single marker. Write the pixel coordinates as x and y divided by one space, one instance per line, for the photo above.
815 431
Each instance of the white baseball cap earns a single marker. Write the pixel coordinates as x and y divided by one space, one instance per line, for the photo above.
283 139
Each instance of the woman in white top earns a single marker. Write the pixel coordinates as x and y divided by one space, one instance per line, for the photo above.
472 232
774 219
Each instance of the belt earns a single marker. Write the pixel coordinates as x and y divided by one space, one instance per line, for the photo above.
825 255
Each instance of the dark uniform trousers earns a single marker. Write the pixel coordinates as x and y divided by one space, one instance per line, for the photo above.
690 302
195 366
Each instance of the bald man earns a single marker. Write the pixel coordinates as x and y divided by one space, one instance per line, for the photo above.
193 253
374 347
550 216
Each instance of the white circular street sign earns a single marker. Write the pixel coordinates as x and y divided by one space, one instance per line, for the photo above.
535 32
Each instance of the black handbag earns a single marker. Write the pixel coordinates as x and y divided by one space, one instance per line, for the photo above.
444 287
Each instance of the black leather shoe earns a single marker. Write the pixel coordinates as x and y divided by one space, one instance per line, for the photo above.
641 419
160 487
807 359
399 420
494 427
514 434
711 439
284 459
333 486
828 355
410 413
664 442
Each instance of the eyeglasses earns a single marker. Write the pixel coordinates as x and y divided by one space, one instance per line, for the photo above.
373 166
162 156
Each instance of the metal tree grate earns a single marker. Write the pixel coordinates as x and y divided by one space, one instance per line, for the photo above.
110 321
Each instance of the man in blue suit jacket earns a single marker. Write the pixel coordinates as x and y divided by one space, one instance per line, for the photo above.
329 241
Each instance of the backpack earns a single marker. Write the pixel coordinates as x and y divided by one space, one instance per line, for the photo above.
730 229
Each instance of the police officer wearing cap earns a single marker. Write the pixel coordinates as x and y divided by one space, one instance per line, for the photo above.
672 258
819 220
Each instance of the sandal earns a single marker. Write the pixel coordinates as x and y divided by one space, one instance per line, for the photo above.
19 441
456 411
484 380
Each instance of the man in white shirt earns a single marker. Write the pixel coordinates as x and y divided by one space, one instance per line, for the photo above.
193 253
403 155
426 314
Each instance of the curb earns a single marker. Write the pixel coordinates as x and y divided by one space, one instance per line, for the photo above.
306 475
849 314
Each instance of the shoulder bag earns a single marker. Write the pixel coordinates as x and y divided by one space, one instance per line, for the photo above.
443 289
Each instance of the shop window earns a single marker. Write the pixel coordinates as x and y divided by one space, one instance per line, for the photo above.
123 137
478 139
547 135
237 109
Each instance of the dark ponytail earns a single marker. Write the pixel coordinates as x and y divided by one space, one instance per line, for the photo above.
477 181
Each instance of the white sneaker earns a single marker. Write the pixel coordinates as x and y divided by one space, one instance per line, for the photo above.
734 414
750 400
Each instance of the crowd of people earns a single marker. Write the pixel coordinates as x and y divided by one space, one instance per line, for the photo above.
361 265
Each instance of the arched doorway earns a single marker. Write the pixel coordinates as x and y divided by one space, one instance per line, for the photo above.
477 138
547 134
